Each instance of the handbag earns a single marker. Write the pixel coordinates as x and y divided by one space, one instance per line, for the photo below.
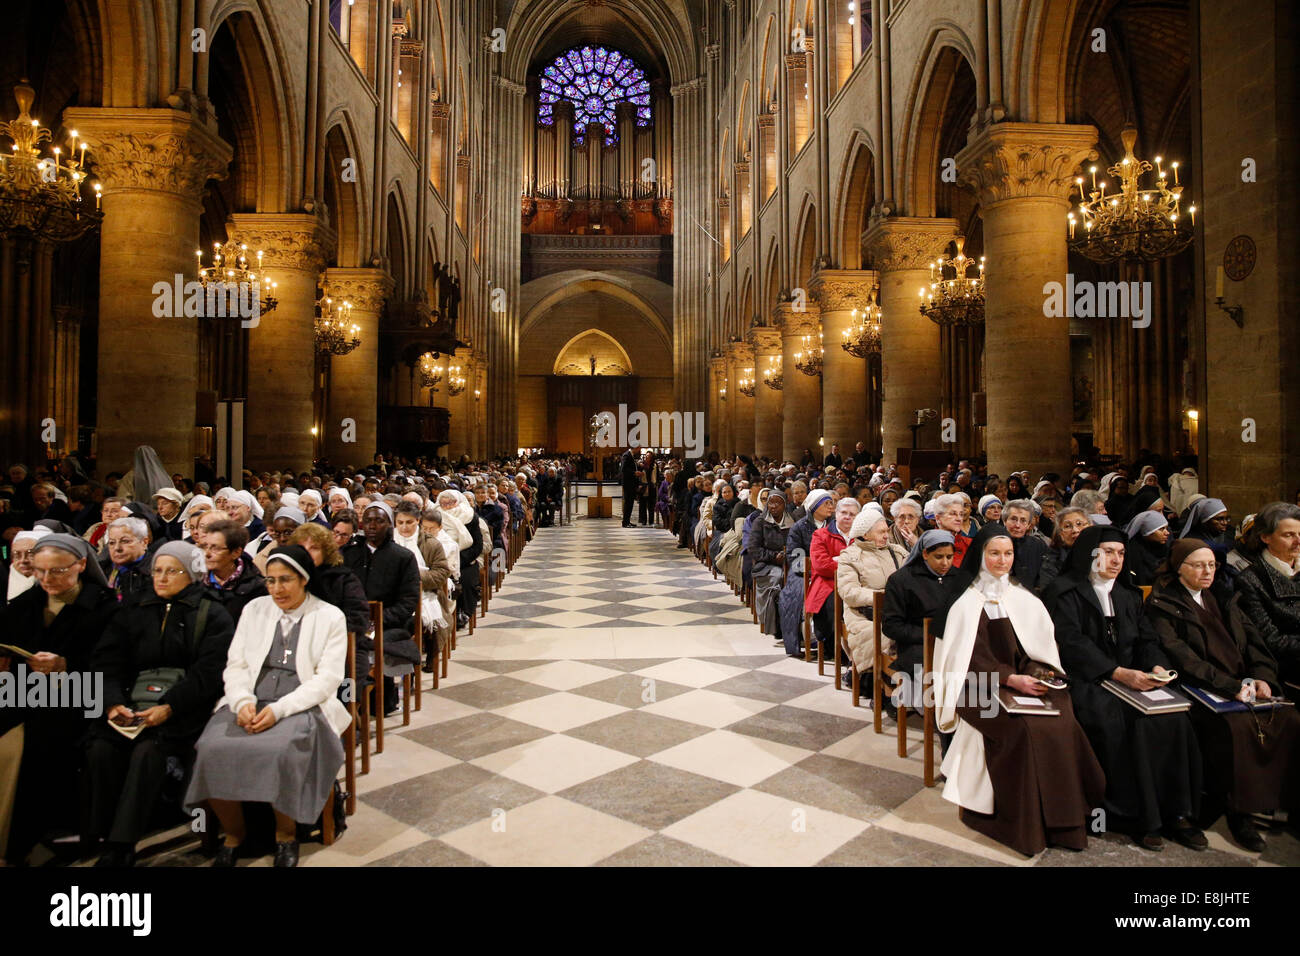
151 685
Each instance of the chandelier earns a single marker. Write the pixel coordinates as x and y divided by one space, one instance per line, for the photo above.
40 197
809 358
746 384
862 338
1135 223
430 374
722 393
772 375
954 296
334 334
230 269
455 381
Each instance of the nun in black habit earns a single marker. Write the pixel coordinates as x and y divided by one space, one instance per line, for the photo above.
1152 762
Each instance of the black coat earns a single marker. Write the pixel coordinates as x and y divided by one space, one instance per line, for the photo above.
249 585
495 521
1272 603
157 633
767 540
1030 552
627 468
1087 653
1183 639
391 575
72 635
339 585
133 582
1142 557
913 593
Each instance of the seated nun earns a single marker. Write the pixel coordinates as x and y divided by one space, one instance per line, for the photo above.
862 569
275 735
58 623
767 544
1027 781
161 658
1270 584
20 566
1148 546
1251 757
919 590
1152 761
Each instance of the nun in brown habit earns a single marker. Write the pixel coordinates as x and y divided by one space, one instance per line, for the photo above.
1025 781
1251 757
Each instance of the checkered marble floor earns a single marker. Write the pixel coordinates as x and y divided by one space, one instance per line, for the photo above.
617 706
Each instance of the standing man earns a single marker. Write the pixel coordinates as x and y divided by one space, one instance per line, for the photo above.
648 489
833 460
629 478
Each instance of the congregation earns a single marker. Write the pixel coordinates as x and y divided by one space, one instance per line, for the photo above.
221 618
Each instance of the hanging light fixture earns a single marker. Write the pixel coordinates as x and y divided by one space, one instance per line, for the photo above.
746 384
430 374
1136 223
809 358
455 381
232 271
40 196
862 338
722 392
772 375
955 295
335 333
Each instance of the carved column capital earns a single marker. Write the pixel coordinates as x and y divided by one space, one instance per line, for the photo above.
739 355
156 149
906 242
842 290
1025 160
764 340
796 61
790 322
366 289
298 241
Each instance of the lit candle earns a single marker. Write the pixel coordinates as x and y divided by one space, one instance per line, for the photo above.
1218 283
1192 212
1175 174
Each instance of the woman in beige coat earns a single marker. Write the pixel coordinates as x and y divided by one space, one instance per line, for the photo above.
863 568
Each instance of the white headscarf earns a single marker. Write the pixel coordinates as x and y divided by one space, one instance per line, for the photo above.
19 582
254 506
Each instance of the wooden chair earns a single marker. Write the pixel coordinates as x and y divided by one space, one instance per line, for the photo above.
808 631
1146 591
408 673
377 673
928 724
880 662
841 642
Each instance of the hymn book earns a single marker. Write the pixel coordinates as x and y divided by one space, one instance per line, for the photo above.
1162 700
1014 703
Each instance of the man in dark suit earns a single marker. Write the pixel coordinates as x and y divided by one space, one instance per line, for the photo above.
629 479
390 574
833 460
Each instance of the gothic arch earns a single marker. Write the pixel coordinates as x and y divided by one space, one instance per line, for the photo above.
627 361
943 55
857 195
345 201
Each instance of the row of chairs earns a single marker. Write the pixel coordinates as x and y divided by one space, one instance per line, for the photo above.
880 665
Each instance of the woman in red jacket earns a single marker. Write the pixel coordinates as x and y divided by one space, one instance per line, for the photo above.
826 545
948 515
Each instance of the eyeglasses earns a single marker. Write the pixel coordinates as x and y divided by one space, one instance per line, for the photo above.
52 572
167 572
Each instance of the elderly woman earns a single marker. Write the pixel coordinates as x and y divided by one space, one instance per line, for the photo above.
990 510
820 508
1152 762
20 564
1025 781
767 550
311 504
948 511
128 547
906 529
1070 523
275 735
337 584
434 570
1019 518
827 544
704 522
726 503
340 499
1252 758
161 659
862 569
193 512
1270 586
244 508
59 624
1148 534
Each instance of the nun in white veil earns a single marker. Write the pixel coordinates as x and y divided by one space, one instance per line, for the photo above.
1024 780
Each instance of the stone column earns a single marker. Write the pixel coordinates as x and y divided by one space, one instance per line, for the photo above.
439 112
767 154
354 378
844 376
740 357
766 343
901 249
799 95
1023 174
719 411
282 346
458 406
801 395
744 214
152 164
